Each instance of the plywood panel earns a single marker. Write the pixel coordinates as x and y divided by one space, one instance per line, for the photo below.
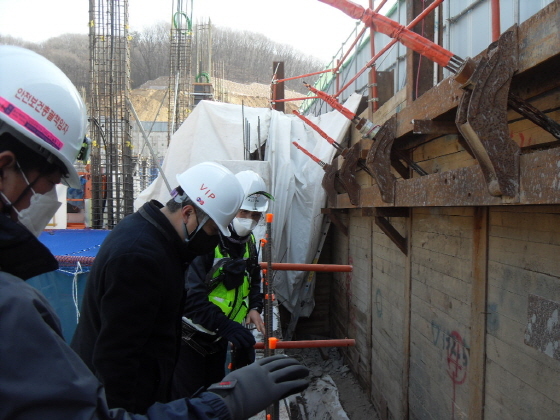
440 310
387 281
520 399
523 260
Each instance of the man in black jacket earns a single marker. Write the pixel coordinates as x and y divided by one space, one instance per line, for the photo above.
43 122
223 291
129 328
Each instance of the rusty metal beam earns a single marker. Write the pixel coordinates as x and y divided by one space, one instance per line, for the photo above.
378 160
467 187
332 214
482 116
392 233
347 170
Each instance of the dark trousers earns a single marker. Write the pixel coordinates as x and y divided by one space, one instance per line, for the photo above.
194 370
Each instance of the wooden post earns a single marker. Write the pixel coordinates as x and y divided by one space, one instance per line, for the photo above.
278 88
477 357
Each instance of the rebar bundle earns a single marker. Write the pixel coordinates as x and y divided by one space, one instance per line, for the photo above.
110 128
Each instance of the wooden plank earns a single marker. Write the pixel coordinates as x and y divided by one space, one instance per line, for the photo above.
477 359
544 378
447 163
458 288
521 399
455 306
539 37
442 146
445 264
537 256
388 109
406 324
456 246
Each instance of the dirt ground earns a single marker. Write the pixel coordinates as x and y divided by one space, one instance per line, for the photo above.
334 393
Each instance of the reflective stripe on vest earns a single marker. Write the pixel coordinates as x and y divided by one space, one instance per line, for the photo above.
233 303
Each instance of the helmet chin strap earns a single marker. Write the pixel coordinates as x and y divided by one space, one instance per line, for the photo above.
198 227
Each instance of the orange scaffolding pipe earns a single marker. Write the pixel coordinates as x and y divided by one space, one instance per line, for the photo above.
496 30
347 342
303 75
319 131
297 99
334 268
370 63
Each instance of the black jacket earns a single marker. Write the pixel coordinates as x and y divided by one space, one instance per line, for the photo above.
41 377
129 329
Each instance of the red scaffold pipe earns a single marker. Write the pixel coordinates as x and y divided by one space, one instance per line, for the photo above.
346 342
313 157
302 76
331 100
318 130
304 98
395 30
332 268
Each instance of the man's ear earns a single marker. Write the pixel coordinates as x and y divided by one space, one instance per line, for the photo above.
186 211
7 160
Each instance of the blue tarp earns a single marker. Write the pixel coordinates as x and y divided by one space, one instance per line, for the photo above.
75 250
75 242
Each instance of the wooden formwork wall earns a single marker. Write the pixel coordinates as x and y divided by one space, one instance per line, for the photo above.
465 324
453 366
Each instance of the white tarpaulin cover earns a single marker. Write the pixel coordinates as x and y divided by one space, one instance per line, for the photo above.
214 132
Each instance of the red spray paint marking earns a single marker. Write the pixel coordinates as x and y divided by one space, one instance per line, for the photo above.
456 364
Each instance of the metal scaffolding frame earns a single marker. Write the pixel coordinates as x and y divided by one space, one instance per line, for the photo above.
110 128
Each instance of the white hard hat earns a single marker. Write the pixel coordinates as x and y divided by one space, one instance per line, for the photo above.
41 107
215 190
254 187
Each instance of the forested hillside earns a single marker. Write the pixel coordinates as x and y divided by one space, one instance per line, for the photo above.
238 56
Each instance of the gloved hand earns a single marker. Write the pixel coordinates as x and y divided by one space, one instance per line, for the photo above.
249 390
237 334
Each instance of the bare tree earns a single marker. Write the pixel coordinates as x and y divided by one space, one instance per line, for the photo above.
247 56
150 53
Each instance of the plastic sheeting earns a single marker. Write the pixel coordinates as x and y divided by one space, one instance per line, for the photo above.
214 132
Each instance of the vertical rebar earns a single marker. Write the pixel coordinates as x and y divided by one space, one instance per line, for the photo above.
180 55
111 130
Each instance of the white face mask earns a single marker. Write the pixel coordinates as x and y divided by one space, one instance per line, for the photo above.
40 211
243 227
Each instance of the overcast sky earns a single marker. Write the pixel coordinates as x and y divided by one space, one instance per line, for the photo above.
312 27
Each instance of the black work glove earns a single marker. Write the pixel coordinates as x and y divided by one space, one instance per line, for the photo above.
251 389
237 334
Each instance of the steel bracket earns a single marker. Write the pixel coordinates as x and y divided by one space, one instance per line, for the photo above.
378 160
346 173
482 116
329 183
333 217
380 215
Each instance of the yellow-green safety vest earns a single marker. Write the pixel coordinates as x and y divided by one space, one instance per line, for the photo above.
234 303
